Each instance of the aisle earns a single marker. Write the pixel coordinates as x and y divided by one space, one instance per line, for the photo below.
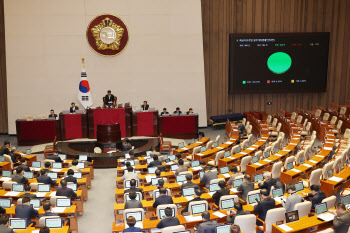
98 210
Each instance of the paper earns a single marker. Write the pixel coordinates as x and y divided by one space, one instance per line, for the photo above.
56 170
199 142
123 168
261 140
335 179
280 199
250 148
220 148
312 161
244 153
36 231
184 148
258 164
156 230
326 217
192 218
211 193
58 209
267 160
12 193
197 168
121 160
293 144
138 224
307 165
226 175
149 178
255 145
41 194
189 198
230 157
327 148
234 190
285 227
295 170
52 194
200 154
264 137
286 150
170 163
219 214
5 178
319 156
229 143
111 151
36 169
278 155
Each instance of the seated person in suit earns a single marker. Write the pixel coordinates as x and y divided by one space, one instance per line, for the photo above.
341 221
235 173
164 112
24 164
197 197
145 106
130 175
316 195
133 203
221 192
169 220
239 211
52 114
26 210
133 187
54 157
45 179
245 187
73 108
157 173
65 191
27 192
126 145
47 166
268 183
207 225
19 178
160 184
44 230
189 183
267 203
208 176
109 99
182 167
6 150
70 177
4 224
155 162
293 198
190 110
74 166
48 212
131 221
177 111
163 198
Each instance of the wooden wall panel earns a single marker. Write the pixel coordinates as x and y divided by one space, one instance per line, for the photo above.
222 17
3 84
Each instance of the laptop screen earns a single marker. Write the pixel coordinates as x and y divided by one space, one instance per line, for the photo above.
292 216
156 194
81 165
227 204
63 157
290 166
253 197
78 175
127 156
35 202
266 154
299 186
148 153
154 181
255 159
216 144
195 163
28 175
171 157
28 151
174 167
238 150
137 215
83 157
53 175
152 170
73 186
237 182
321 208
227 154
224 170
214 187
346 199
258 177
149 160
180 178
181 144
2 158
18 223
277 192
302 160
223 229
36 164
6 173
63 202
18 187
162 213
53 222
127 196
57 165
5 203
44 188
203 149
187 192
329 173
198 208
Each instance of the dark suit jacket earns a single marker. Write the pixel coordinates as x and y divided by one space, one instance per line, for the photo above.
245 188
107 99
218 194
267 184
46 180
27 195
127 147
132 229
71 109
68 192
54 157
24 167
189 185
133 204
47 170
207 177
4 151
154 163
53 116
133 189
208 227
164 113
168 222
177 112
25 211
162 200
144 108
341 223
263 206
19 179
71 179
317 199
4 229
194 199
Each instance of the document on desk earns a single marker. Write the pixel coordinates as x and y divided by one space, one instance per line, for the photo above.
149 178
285 227
170 163
267 160
58 209
138 224
279 155
56 170
294 144
200 154
189 198
122 160
257 164
211 193
12 194
229 143
321 156
335 179
261 140
123 168
192 218
250 148
42 194
326 217
36 231
156 230
219 214
307 165
36 169
230 157
312 161
286 150
5 179
234 190
255 145
184 148
197 168
327 148
52 194
295 170
226 175
244 153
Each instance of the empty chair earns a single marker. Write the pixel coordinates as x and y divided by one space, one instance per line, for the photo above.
293 116
276 170
307 152
304 208
210 145
246 223
342 111
259 154
218 156
173 229
217 138
289 159
337 164
299 119
333 120
325 116
315 178
244 121
269 119
196 150
272 216
337 130
274 124
318 113
345 137
162 207
328 166
245 144
267 151
8 158
330 201
299 157
276 132
306 131
244 162
234 149
247 125
275 148
228 197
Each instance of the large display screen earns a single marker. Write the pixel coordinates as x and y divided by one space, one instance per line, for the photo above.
278 62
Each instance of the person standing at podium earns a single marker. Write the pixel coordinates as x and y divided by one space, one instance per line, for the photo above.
145 106
73 108
109 99
52 114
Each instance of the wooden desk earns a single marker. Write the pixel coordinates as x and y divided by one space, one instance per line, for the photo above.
188 149
211 153
5 166
47 195
64 229
73 125
331 187
303 224
145 123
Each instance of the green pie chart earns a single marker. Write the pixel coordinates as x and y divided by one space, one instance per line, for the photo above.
279 62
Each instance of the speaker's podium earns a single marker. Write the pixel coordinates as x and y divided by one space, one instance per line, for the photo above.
108 135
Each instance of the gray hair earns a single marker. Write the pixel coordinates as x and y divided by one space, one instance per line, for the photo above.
267 174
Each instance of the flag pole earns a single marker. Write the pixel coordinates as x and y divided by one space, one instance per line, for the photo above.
83 62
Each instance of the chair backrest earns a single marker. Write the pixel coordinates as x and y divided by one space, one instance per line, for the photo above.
196 150
275 148
7 158
190 204
279 125
34 186
272 216
340 123
42 219
305 122
216 180
244 162
247 125
347 133
326 168
334 119
217 138
245 144
97 150
276 170
7 185
342 110
300 154
289 159
267 149
336 164
259 154
53 199
173 229
168 192
162 207
330 201
269 118
307 152
274 123
308 126
137 194
246 223
250 138
218 156
134 210
304 208
281 136
299 119
226 197
234 149
244 121
318 112
344 155
256 191
210 145
315 177
249 129
326 116
128 180
294 115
